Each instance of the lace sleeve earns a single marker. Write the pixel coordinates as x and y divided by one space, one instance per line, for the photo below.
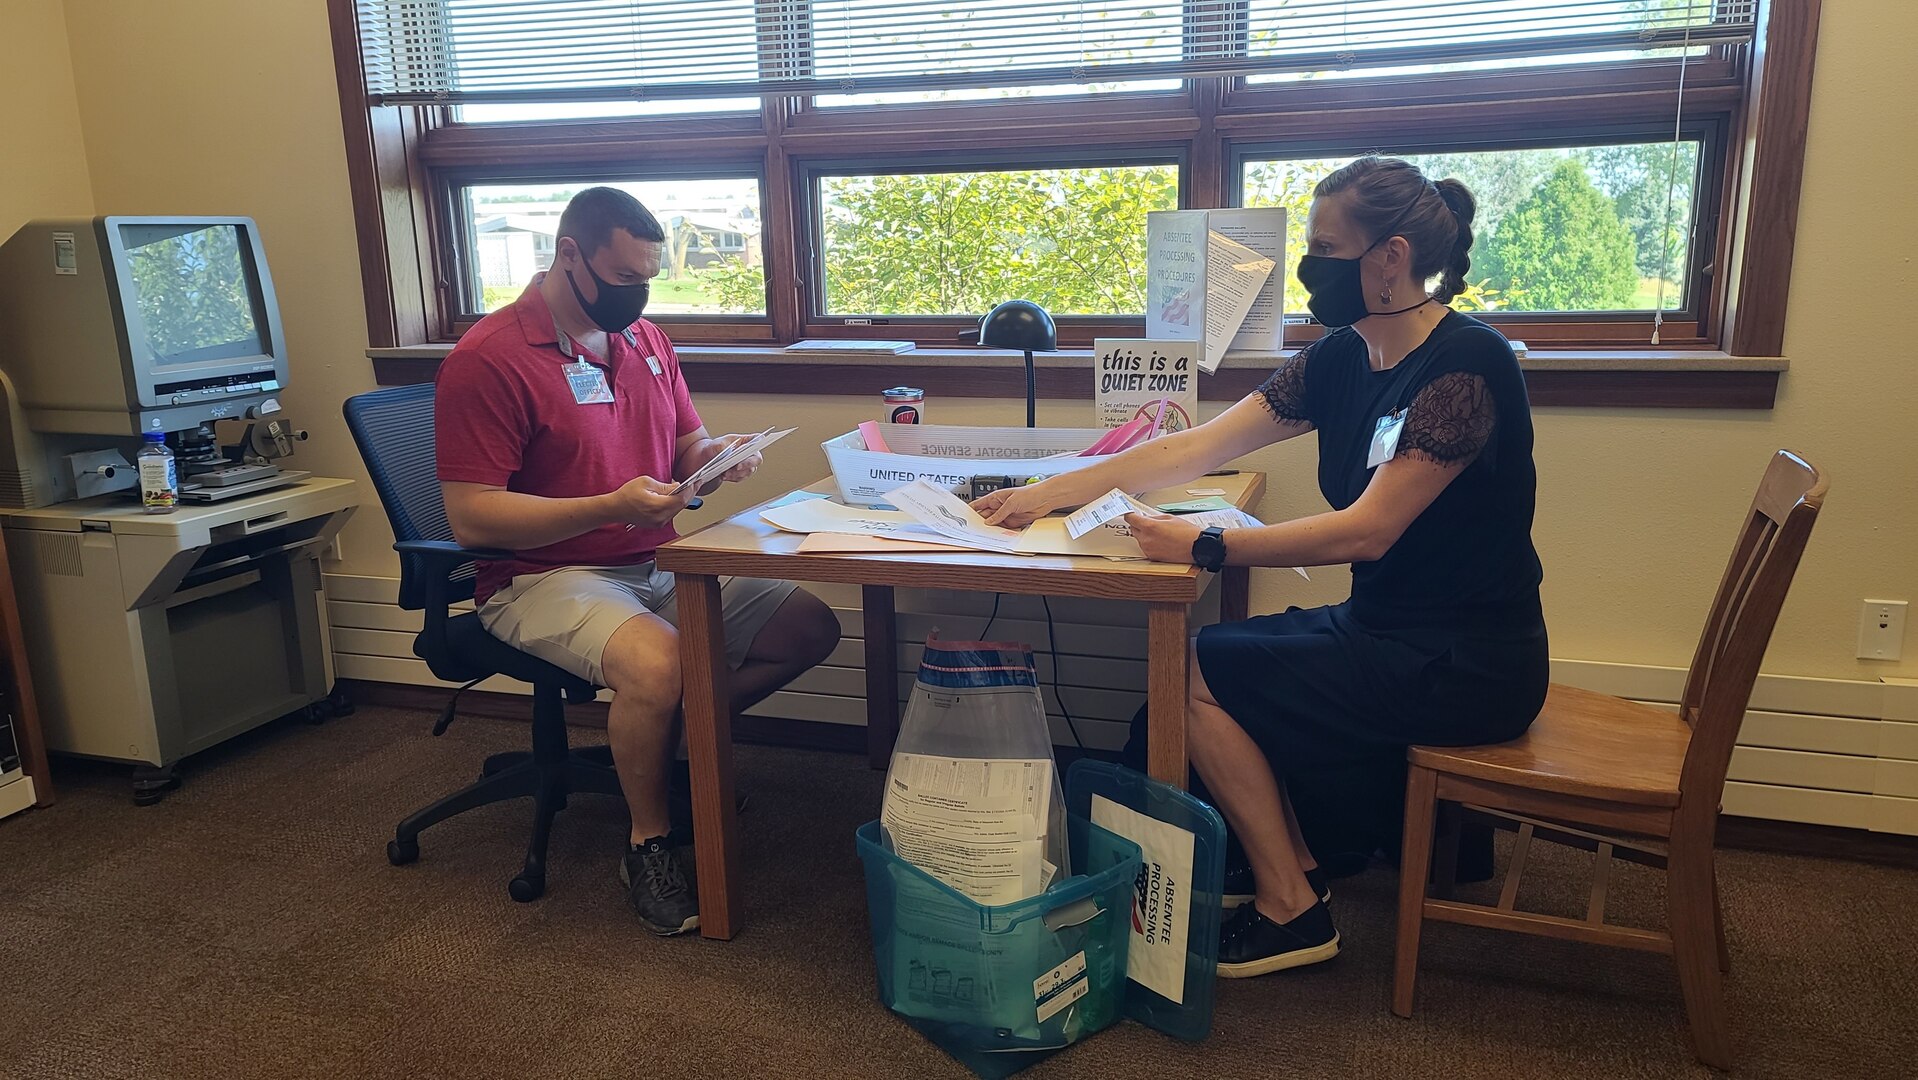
1283 393
1450 420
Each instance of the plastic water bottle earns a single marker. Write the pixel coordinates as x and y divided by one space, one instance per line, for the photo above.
159 475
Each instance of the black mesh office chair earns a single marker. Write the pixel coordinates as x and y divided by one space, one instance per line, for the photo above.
394 431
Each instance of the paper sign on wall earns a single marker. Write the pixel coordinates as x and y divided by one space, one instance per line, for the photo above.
1134 375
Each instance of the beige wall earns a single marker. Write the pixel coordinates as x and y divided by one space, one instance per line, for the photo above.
229 107
1637 508
46 170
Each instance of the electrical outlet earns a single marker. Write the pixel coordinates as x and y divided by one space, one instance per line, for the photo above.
1881 630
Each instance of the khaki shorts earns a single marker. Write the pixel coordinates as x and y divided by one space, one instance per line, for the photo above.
566 616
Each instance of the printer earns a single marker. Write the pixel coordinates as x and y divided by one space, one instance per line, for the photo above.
153 636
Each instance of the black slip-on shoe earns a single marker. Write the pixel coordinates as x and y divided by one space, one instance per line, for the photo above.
1251 944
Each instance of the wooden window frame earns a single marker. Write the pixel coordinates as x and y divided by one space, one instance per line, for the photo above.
407 162
1074 331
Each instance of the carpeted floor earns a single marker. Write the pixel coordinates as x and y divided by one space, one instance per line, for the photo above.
249 926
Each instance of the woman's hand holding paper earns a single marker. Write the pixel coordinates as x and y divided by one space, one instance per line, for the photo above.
1017 507
1163 537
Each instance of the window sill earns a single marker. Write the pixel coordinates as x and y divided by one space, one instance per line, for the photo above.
1601 378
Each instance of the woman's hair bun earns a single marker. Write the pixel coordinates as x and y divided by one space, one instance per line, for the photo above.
1458 198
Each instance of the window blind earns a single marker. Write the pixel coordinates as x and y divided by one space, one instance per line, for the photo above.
527 51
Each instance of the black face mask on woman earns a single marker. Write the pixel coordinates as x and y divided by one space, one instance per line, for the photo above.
1336 292
617 306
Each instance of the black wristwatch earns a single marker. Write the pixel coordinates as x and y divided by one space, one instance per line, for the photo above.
1208 550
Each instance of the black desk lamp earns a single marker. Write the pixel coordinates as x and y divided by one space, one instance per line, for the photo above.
1022 325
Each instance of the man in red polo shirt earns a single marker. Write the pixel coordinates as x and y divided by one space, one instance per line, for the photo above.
562 424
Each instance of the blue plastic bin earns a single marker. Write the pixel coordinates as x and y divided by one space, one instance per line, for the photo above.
1001 987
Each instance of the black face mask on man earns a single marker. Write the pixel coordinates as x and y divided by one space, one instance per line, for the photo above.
1336 291
616 307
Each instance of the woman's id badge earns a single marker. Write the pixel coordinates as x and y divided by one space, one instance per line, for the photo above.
588 383
1385 439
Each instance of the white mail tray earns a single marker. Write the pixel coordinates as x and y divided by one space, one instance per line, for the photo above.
951 456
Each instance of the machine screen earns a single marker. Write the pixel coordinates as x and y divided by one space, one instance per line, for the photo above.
195 288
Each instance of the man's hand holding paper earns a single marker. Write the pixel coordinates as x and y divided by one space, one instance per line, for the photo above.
720 446
644 501
737 457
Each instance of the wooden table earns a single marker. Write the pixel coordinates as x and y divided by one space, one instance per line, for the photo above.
745 546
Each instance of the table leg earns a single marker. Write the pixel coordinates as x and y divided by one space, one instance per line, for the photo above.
882 679
1166 645
1235 594
709 750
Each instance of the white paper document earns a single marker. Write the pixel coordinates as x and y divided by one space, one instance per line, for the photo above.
1108 534
977 824
949 516
731 456
1162 904
799 496
1047 536
957 781
1113 504
1263 230
826 516
991 858
1238 277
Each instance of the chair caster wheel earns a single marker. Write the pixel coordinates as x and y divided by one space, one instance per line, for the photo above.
526 889
401 852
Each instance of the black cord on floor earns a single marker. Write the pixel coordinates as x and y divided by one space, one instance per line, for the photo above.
1052 646
984 635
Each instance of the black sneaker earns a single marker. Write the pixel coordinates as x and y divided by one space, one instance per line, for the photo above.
1238 889
659 888
1251 944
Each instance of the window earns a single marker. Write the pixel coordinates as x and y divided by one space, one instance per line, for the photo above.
1379 37
1559 229
996 93
711 263
493 52
508 114
862 42
957 243
909 163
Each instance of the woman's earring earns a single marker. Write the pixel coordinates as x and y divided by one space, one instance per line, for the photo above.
1385 295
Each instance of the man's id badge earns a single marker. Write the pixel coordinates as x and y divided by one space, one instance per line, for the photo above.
1385 439
652 363
588 383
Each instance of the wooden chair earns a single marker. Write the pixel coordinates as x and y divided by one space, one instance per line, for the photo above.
1625 779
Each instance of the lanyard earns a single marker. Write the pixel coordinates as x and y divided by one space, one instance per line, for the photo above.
569 350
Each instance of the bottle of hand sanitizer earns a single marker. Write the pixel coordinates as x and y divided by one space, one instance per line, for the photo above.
159 475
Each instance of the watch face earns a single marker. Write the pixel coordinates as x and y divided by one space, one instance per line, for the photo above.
1209 549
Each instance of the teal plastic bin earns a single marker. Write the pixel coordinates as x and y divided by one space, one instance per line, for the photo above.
1198 871
1001 987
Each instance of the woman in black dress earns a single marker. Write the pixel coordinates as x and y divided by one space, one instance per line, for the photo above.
1298 722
